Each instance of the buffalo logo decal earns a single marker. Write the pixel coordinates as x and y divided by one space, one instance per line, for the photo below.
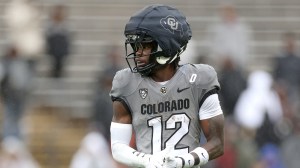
143 93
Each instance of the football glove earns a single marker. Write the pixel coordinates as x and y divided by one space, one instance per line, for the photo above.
172 162
157 160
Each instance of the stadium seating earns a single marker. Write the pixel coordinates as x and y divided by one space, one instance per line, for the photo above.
99 23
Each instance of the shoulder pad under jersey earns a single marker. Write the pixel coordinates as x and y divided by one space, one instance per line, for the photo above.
203 75
124 83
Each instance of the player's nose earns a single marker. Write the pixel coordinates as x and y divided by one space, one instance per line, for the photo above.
139 51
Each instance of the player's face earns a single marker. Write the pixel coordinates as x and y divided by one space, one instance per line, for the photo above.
143 53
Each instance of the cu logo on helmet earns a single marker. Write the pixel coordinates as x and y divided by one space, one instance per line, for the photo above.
171 24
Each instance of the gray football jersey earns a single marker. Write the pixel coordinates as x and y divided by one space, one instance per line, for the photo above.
168 114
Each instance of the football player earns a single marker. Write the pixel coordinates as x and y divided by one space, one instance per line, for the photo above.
167 105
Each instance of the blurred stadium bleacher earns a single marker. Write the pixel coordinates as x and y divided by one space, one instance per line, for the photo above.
98 23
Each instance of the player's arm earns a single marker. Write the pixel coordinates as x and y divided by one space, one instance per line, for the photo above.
211 116
213 131
121 132
120 113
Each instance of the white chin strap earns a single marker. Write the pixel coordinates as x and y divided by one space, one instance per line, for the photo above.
162 60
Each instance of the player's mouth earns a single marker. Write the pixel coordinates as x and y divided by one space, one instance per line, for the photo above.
141 65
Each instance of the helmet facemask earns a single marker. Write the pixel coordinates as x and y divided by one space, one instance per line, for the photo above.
132 45
157 57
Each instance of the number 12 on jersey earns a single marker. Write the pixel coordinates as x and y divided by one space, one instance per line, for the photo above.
178 134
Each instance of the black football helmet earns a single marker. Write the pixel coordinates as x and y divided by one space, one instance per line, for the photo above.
162 25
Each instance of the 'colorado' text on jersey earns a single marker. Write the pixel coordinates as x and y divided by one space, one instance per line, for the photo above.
166 115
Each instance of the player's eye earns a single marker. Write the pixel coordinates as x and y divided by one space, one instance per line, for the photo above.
146 45
143 46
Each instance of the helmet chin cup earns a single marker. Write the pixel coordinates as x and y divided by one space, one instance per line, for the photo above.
162 60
